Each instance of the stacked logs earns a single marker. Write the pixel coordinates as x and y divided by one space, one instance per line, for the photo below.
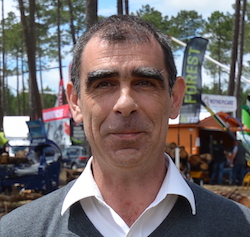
197 162
184 164
20 157
170 150
73 174
9 203
200 162
4 158
235 193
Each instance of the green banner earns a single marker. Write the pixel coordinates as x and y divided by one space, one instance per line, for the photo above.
191 71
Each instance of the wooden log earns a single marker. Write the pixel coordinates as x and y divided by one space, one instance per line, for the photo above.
73 174
183 154
206 157
194 160
4 158
204 166
172 145
172 153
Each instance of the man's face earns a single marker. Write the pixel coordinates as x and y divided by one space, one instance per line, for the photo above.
124 102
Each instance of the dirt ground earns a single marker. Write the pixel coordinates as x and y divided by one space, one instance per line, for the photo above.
245 191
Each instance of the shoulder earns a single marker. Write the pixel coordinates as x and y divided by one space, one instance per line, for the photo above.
35 213
217 215
217 205
50 201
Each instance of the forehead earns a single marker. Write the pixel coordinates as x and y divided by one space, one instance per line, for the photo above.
101 53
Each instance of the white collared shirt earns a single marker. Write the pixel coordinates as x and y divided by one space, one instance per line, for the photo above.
109 223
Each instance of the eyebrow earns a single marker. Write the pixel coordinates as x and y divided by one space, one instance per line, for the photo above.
142 72
100 74
147 72
152 73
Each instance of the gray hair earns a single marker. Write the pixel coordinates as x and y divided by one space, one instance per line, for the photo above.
123 28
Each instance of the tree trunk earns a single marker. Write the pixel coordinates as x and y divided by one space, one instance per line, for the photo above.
120 7
72 26
231 83
23 86
240 61
64 100
3 72
126 7
91 13
17 86
219 72
59 38
30 43
41 78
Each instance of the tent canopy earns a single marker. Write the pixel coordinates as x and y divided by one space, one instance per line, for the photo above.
232 123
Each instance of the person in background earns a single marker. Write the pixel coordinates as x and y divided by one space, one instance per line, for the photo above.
239 163
3 142
219 162
228 168
124 87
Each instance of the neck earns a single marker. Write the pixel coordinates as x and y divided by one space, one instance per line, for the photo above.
130 193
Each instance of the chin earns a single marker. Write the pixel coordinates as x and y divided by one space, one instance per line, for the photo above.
128 157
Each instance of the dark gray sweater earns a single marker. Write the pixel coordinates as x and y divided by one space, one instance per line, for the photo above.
216 216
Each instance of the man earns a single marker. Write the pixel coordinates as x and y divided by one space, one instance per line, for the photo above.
124 88
239 163
3 142
219 162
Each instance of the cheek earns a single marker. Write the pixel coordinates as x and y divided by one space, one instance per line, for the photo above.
158 112
163 110
94 114
161 107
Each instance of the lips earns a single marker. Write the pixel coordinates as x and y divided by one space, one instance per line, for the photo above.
127 135
128 128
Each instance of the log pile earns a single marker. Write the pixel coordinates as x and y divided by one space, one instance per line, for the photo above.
238 194
73 174
20 157
170 150
194 167
10 202
200 162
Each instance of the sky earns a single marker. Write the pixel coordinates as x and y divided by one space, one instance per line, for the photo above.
169 8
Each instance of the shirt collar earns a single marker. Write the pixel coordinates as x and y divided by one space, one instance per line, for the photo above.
174 183
85 186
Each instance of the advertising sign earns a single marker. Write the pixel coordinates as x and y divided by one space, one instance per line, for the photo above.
219 103
191 71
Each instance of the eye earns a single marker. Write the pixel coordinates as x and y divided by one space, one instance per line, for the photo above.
145 83
104 84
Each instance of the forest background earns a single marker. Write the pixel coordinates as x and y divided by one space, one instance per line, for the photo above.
46 30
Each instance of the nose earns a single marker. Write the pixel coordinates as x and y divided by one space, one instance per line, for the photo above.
125 104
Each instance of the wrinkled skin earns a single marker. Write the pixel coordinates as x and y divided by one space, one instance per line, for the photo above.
125 104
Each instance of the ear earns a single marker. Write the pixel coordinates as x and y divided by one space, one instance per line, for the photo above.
178 93
74 102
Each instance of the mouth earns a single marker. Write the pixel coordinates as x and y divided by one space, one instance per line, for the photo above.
127 130
130 135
